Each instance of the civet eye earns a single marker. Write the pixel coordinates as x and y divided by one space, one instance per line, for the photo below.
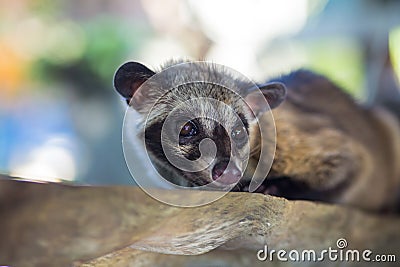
239 133
189 129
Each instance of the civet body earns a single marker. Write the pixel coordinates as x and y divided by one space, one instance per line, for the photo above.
328 147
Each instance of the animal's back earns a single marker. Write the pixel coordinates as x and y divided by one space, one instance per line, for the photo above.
318 117
313 93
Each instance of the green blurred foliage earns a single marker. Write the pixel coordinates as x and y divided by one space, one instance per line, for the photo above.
46 7
394 45
104 44
339 59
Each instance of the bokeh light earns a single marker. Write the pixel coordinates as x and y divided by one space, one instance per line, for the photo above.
57 61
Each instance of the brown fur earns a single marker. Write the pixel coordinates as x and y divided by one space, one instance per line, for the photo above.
328 147
346 153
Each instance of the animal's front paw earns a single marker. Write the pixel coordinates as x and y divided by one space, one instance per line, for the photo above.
333 170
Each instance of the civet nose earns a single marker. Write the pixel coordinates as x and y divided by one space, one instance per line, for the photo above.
225 174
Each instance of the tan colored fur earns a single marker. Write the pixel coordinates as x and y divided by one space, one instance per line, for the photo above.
324 139
336 149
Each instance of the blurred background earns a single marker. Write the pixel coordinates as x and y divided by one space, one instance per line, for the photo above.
60 118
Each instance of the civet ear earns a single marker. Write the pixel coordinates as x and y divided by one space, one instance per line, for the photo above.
129 77
273 92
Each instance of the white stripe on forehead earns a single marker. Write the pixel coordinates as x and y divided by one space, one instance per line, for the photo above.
194 97
202 72
211 112
196 81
